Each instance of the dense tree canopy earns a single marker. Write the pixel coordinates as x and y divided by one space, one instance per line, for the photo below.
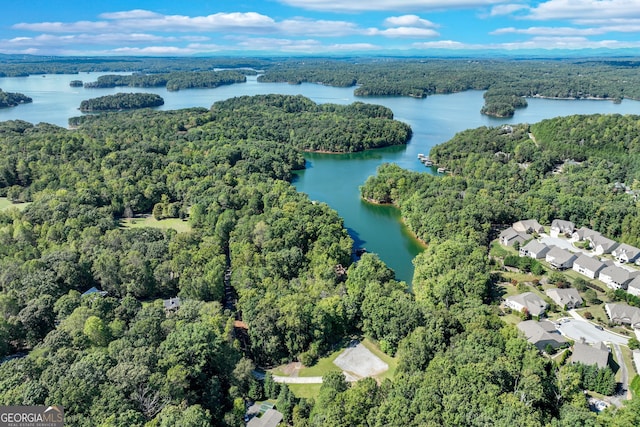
121 101
11 99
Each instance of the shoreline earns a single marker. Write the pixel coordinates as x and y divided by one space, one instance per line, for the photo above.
402 220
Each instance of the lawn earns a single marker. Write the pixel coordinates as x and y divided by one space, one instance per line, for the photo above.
635 385
307 391
6 204
149 221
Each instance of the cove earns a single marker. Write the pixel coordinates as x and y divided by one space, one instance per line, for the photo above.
329 178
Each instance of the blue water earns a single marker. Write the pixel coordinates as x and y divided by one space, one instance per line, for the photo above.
333 179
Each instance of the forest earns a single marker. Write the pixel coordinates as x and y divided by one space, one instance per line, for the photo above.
120 359
172 81
12 99
121 101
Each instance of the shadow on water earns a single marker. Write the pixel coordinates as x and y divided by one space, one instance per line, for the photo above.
358 242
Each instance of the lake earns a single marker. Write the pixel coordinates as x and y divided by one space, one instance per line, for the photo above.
334 179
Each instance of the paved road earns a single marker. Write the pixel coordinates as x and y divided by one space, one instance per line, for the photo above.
623 393
576 329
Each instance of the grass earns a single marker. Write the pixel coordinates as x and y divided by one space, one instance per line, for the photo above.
635 385
6 204
307 391
149 221
325 365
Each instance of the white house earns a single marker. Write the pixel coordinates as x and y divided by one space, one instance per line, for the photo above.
626 253
602 245
582 233
510 236
535 305
560 227
617 277
588 266
560 259
534 249
634 286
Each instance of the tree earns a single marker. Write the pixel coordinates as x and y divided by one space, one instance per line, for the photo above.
96 331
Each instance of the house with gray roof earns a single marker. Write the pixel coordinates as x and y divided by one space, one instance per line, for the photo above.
582 233
560 227
626 253
634 286
602 245
623 313
528 226
617 277
588 266
542 333
534 249
559 258
597 354
568 298
94 291
535 305
510 236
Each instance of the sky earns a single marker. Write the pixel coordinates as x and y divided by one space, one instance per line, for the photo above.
316 27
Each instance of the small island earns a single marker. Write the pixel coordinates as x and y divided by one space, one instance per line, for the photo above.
121 101
12 99
76 83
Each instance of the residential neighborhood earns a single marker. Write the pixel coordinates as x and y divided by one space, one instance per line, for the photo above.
583 269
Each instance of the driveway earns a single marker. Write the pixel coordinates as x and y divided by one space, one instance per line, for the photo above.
576 329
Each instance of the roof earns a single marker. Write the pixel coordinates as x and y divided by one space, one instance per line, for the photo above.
585 233
635 283
559 256
562 225
566 296
600 240
94 290
618 274
623 313
598 354
171 303
270 418
535 247
590 263
630 251
531 301
527 226
541 333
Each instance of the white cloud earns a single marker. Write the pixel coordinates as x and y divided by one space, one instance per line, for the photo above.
550 31
153 50
55 41
442 44
130 14
576 10
536 43
406 32
408 21
325 28
391 5
507 9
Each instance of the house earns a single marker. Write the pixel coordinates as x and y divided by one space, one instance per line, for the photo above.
535 305
583 233
542 334
566 298
528 226
94 291
597 354
634 286
560 227
559 258
601 245
270 418
617 277
626 253
588 266
534 249
171 304
510 236
623 313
